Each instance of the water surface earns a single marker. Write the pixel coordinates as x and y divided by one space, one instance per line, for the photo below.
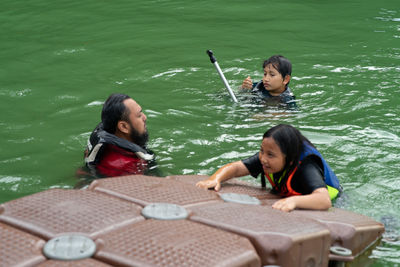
60 61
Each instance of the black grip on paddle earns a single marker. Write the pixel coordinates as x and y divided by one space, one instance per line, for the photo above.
211 55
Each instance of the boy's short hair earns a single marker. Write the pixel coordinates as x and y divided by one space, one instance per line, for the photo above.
281 64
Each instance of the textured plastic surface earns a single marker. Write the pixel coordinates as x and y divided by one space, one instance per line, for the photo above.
58 211
69 247
145 190
164 211
298 238
77 263
175 243
242 187
240 198
348 229
232 186
280 239
189 179
18 248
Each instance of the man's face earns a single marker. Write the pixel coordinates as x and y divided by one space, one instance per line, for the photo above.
137 122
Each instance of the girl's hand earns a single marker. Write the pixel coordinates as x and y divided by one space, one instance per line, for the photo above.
318 200
247 83
226 172
209 183
286 204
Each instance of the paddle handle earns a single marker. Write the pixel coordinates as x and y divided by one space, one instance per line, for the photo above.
221 74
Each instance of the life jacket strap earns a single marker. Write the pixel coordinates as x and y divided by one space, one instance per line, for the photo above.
263 184
333 192
99 137
93 153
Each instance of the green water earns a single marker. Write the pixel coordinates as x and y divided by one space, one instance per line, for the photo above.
61 59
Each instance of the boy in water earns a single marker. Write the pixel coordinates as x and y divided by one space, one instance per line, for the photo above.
274 85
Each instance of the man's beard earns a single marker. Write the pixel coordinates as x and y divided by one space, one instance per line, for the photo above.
139 139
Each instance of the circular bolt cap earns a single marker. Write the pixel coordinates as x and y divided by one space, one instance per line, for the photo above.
341 251
164 211
240 198
69 247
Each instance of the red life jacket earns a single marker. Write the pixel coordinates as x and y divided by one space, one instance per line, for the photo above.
287 189
109 155
116 161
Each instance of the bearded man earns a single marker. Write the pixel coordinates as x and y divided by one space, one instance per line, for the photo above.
117 146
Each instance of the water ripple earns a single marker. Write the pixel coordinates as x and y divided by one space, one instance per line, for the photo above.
169 73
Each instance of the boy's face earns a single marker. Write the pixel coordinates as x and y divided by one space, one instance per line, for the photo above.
273 81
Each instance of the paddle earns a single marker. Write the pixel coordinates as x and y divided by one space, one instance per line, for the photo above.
214 61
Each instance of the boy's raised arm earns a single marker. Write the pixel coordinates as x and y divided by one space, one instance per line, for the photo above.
247 83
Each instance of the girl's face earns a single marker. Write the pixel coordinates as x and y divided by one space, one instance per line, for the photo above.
271 156
273 81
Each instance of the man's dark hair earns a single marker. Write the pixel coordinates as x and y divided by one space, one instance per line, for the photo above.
281 64
113 111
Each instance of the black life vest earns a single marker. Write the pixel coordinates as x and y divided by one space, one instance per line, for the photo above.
99 138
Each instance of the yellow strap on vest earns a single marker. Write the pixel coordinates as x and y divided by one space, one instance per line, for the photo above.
280 178
333 192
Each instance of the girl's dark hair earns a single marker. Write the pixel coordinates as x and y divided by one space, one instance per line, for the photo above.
113 111
281 64
290 141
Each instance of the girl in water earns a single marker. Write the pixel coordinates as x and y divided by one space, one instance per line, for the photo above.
293 166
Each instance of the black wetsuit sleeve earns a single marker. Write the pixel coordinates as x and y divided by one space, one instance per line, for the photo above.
309 176
253 164
255 84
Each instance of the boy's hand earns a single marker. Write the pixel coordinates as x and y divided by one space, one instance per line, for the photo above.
247 83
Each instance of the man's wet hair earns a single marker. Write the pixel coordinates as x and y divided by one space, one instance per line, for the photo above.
113 111
281 64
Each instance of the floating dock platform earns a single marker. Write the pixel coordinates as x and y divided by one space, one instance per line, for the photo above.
151 221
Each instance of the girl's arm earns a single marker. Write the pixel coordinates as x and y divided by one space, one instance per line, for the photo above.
229 171
318 200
